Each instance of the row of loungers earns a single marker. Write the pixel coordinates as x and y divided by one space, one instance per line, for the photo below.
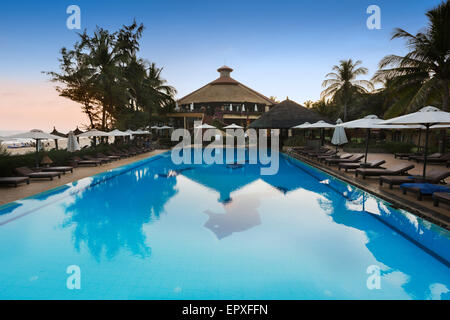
433 184
24 174
435 158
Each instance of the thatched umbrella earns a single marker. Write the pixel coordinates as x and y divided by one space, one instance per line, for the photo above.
59 134
286 115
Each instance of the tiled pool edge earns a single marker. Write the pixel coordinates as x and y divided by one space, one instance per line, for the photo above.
429 215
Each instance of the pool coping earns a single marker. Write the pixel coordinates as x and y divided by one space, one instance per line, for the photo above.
395 201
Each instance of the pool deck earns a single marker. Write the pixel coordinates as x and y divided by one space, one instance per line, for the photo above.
425 209
9 194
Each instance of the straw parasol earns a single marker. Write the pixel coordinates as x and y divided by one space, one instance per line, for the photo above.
285 115
429 117
59 134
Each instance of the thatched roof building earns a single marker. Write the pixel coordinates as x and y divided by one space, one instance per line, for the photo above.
285 115
225 90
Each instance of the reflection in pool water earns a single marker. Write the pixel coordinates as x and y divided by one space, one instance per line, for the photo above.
158 230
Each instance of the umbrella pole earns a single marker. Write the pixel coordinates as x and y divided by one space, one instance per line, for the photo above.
37 153
425 155
418 147
367 144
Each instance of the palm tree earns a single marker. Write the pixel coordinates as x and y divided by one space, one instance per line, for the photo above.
422 75
342 84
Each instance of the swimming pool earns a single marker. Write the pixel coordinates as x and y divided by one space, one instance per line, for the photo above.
155 230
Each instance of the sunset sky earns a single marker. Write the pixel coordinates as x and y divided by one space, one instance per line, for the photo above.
279 48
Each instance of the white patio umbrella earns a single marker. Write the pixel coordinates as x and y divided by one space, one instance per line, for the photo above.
256 108
155 127
94 133
205 126
302 126
118 133
320 125
37 135
368 123
243 108
233 126
165 128
429 117
339 137
72 143
141 132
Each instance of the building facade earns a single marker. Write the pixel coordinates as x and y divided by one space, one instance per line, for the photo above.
223 99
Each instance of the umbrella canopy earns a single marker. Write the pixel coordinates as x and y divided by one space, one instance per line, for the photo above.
94 133
77 131
205 126
118 133
141 132
339 136
35 134
233 126
155 127
57 133
428 117
370 122
425 116
320 125
72 143
165 128
302 126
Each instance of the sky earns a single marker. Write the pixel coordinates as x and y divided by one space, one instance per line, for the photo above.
280 48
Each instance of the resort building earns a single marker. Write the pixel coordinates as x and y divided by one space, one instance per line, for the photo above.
224 99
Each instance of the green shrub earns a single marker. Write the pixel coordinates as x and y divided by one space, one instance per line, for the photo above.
398 147
294 141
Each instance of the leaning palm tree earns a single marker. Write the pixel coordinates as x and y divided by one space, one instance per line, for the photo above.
422 75
342 84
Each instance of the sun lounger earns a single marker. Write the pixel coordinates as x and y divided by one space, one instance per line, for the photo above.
441 197
434 176
422 189
80 161
429 157
102 160
437 160
27 172
400 169
336 159
405 155
353 159
355 165
14 180
101 155
62 169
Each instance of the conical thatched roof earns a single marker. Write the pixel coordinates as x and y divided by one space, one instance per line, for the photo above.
285 115
225 89
77 131
57 133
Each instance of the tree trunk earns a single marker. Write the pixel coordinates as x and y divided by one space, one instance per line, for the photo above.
345 112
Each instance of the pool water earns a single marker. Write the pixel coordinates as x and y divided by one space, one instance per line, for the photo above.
155 230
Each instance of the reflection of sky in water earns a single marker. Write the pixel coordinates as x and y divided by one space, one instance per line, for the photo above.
218 231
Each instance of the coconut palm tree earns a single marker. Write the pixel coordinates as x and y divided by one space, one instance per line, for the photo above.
423 74
342 84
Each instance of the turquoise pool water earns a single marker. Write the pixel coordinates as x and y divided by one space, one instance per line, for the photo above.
155 230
